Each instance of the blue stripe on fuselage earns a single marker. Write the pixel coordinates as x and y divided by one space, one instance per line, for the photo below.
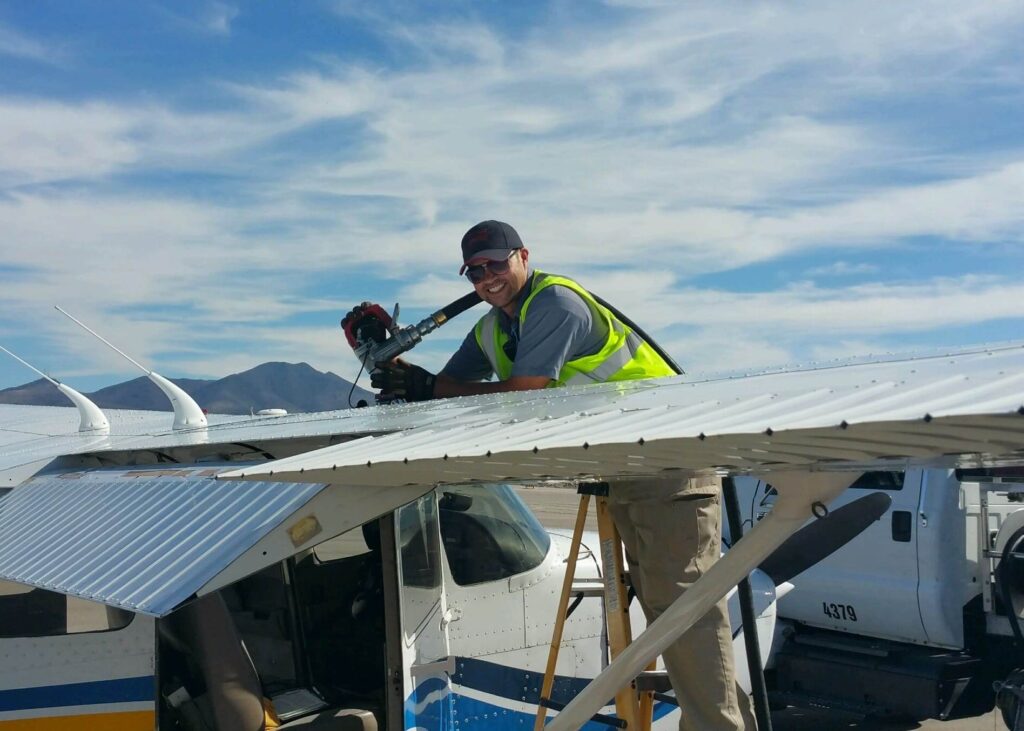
498 680
122 690
514 683
470 712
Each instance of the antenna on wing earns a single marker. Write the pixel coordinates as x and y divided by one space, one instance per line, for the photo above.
92 417
187 413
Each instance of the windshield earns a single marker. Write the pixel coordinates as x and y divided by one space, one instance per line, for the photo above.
489 533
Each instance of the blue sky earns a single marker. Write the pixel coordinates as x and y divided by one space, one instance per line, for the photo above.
211 185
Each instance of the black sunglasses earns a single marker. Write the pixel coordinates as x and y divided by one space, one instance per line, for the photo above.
476 273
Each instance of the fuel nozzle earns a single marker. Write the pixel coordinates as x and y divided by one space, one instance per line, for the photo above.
376 337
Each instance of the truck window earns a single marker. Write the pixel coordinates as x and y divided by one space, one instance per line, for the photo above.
488 533
879 481
26 611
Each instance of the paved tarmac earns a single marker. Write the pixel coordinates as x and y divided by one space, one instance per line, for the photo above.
556 507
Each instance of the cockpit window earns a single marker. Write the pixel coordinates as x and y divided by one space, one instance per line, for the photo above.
488 533
29 612
417 537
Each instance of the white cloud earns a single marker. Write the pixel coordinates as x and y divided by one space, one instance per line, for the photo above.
45 141
842 269
19 45
211 18
983 207
218 16
868 309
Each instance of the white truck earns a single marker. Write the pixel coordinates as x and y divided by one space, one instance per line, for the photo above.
909 618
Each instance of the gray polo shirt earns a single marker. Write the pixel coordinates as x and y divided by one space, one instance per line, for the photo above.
560 328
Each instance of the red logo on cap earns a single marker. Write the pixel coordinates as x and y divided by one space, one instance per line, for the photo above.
481 234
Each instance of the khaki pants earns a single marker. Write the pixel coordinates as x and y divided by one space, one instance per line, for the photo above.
671 530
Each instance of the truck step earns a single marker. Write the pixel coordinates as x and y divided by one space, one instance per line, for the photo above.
905 680
781 699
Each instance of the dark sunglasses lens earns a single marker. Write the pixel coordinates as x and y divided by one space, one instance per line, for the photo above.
475 273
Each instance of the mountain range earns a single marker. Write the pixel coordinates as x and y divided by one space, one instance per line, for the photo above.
296 387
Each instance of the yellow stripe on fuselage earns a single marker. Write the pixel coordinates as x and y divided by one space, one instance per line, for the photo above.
127 721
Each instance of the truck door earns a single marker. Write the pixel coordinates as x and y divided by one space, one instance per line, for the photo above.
426 662
945 582
870 586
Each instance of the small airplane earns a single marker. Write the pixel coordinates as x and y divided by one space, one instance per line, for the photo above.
372 568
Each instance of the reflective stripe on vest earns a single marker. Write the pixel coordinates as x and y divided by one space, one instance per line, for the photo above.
612 364
623 356
488 337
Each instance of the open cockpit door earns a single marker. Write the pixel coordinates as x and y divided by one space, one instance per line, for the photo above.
147 539
426 660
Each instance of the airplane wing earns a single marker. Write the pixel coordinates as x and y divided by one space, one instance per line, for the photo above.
904 409
965 408
808 427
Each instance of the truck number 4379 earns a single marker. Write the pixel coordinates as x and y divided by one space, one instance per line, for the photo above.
844 612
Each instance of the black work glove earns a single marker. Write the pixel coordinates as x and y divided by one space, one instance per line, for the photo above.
399 379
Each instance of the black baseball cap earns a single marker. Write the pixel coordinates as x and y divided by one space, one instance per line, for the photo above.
488 240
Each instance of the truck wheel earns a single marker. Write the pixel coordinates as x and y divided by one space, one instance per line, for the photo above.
1010 700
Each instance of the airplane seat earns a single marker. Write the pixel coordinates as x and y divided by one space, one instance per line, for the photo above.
368 603
261 618
264 593
205 627
363 638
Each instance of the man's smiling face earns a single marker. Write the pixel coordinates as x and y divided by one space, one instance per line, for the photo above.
501 290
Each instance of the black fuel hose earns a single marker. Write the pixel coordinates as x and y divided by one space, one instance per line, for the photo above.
457 307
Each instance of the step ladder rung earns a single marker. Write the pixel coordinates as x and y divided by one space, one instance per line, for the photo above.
588 587
655 681
594 587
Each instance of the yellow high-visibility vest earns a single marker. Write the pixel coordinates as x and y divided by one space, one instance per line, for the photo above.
625 356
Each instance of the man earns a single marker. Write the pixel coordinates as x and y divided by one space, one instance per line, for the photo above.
545 330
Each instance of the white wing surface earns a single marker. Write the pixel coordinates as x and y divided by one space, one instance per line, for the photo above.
965 408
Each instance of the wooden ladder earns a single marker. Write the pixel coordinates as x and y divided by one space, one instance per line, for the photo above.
634 704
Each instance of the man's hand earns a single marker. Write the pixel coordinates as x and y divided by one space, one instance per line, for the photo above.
399 379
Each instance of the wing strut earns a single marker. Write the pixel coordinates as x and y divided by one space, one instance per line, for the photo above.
800 494
758 688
